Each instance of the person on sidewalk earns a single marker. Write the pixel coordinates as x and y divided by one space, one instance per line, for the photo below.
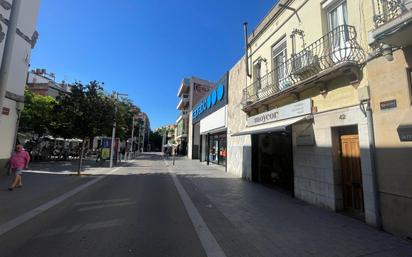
19 160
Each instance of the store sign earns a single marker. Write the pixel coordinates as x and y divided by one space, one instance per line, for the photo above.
405 133
388 104
285 112
306 137
5 111
211 100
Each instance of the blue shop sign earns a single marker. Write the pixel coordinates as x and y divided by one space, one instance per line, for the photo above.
215 97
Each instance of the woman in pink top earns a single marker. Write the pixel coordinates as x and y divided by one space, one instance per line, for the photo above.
18 161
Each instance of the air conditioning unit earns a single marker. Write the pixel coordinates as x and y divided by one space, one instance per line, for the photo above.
304 63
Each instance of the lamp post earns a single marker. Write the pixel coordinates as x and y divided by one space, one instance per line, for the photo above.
131 144
114 128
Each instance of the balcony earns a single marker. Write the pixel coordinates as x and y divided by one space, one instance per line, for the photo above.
184 102
184 87
183 115
393 23
335 54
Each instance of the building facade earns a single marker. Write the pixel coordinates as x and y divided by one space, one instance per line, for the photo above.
320 107
389 77
209 125
20 56
303 129
42 83
190 92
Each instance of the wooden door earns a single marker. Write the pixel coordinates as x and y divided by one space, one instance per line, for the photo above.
351 173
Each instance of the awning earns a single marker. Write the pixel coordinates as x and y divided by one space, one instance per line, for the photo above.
276 126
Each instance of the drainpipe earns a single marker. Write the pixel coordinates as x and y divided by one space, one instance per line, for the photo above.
8 50
246 49
371 132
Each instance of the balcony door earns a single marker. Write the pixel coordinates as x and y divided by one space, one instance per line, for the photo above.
280 71
257 74
338 17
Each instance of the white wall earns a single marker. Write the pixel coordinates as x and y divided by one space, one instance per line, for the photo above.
18 73
214 121
34 78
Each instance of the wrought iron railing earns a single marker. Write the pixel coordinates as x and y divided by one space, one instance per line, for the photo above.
387 10
336 47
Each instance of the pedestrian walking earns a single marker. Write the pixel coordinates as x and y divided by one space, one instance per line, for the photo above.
18 161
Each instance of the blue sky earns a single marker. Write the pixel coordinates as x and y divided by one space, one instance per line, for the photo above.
143 47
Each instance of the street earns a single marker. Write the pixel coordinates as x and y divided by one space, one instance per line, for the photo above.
148 207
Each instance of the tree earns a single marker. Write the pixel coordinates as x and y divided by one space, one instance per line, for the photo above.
126 110
38 113
87 112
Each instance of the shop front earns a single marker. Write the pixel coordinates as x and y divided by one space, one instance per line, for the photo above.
272 143
210 126
217 148
322 158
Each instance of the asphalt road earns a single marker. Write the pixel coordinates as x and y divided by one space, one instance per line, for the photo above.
136 211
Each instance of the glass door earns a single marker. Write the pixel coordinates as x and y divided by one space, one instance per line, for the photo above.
222 149
279 57
338 17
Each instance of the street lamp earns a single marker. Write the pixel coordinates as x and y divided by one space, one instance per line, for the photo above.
131 144
114 127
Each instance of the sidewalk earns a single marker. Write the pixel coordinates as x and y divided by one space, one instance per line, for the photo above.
265 222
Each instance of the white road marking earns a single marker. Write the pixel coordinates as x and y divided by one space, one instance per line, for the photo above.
208 241
103 201
107 205
82 227
7 226
50 172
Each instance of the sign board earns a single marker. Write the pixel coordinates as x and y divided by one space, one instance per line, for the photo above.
214 101
285 112
405 133
388 104
306 137
5 111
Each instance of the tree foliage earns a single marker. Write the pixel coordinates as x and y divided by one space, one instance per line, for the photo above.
38 113
86 112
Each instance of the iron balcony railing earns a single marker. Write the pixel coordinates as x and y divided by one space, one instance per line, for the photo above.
336 47
388 10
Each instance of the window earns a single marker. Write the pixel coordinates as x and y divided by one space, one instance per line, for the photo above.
279 57
337 18
257 74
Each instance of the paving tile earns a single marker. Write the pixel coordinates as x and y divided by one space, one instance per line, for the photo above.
275 224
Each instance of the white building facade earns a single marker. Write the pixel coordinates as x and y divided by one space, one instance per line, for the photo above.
16 80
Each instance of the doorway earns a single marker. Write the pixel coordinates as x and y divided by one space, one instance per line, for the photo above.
351 172
272 160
